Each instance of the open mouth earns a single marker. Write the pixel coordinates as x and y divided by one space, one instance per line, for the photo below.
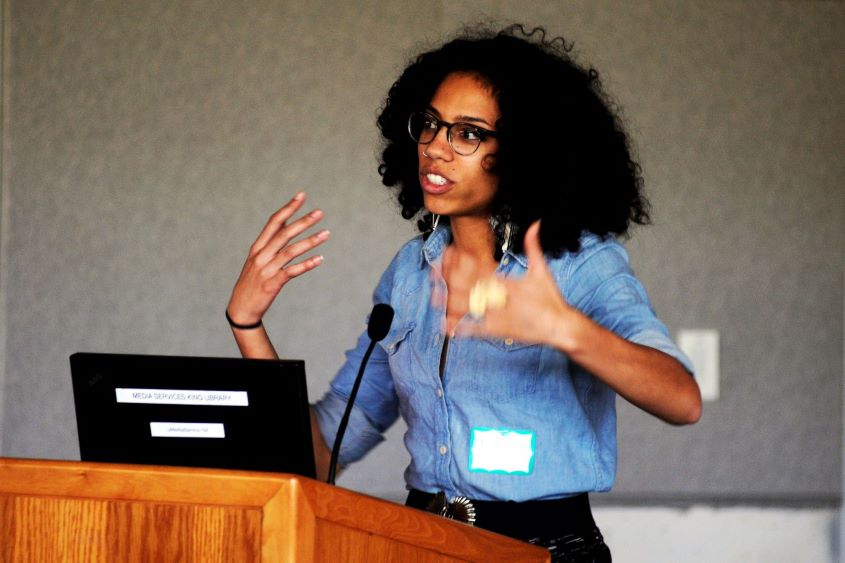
434 183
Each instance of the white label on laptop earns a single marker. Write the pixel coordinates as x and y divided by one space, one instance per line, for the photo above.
501 450
182 397
187 430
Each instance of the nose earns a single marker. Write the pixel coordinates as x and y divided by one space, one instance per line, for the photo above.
439 147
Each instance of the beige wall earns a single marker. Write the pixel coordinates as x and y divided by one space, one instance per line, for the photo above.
146 143
4 207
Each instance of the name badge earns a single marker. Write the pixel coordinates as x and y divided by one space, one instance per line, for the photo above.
501 450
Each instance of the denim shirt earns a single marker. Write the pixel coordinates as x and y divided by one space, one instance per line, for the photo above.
560 415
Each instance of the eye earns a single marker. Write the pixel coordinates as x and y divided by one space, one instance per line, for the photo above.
469 133
429 122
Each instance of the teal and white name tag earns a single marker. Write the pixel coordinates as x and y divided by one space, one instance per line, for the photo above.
501 450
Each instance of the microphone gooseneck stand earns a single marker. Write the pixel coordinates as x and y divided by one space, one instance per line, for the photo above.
377 328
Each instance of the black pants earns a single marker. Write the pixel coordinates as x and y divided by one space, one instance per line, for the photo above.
564 526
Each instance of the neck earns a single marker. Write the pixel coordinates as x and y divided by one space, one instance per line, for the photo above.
474 236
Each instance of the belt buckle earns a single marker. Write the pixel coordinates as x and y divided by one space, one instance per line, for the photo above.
459 509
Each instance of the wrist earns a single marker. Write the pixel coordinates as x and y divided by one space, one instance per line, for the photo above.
242 325
567 330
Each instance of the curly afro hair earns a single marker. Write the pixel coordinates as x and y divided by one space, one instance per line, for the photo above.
563 155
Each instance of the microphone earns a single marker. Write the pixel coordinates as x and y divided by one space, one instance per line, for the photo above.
377 328
380 320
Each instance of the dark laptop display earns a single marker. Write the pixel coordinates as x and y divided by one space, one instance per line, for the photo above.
200 412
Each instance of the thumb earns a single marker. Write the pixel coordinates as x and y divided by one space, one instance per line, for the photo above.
533 250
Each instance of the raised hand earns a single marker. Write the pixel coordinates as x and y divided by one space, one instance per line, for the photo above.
533 308
272 261
535 312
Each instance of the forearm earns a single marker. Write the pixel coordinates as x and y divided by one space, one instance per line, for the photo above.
322 453
255 343
646 377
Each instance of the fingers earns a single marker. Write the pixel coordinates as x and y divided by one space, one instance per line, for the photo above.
288 232
460 272
270 262
533 250
476 328
468 330
277 221
288 273
438 290
297 249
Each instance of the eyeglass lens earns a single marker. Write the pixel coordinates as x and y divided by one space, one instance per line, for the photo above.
463 137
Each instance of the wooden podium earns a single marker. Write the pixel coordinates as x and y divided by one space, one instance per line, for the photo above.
75 511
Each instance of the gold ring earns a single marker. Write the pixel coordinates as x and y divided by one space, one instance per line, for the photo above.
486 294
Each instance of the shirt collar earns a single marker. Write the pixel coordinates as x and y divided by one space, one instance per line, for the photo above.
437 242
523 261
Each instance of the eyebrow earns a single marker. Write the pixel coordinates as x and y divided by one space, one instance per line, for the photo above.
467 118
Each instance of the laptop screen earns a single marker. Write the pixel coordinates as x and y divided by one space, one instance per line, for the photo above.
227 413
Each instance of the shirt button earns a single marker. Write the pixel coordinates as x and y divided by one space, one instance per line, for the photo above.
443 450
509 341
506 260
439 392
437 338
392 347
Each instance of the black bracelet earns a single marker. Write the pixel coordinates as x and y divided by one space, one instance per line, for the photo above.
233 324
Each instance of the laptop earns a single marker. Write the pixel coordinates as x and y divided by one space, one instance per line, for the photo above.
226 413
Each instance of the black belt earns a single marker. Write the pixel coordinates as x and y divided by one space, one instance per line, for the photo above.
522 520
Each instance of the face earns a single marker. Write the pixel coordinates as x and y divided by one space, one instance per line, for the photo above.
452 184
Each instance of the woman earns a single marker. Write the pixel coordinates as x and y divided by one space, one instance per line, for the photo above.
518 319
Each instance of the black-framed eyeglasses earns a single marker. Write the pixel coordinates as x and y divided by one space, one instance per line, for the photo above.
464 138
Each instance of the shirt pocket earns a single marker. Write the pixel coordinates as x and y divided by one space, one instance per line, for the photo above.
398 346
504 369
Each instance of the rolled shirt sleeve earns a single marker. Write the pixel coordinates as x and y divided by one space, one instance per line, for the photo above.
376 406
602 285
